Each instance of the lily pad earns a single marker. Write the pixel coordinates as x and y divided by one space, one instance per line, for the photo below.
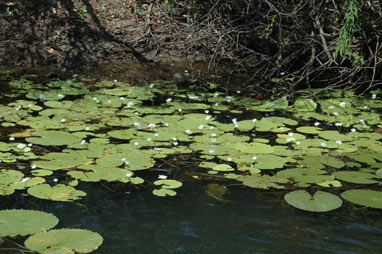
64 241
367 198
53 138
60 192
25 222
320 202
168 183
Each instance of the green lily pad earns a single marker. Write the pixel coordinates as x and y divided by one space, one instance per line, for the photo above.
164 192
53 138
355 177
263 181
60 192
56 161
305 105
25 222
168 183
64 241
367 198
320 202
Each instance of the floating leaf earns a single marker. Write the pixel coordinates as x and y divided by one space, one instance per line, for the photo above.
25 222
164 192
168 183
355 177
305 105
320 202
60 192
367 198
60 241
53 138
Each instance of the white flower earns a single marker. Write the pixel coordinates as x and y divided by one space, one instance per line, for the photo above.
151 85
149 139
188 131
208 118
168 100
156 148
229 159
290 134
83 142
42 97
291 139
87 128
353 129
338 124
123 159
115 81
18 107
254 158
75 75
162 177
55 180
180 110
212 127
365 107
236 125
11 138
174 138
137 113
30 105
206 111
109 101
331 107
254 120
298 142
213 140
29 144
234 120
25 179
60 95
129 174
175 143
136 143
201 126
211 151
229 98
316 124
323 144
374 96
165 124
335 113
216 95
151 125
362 121
216 104
156 134
21 146
122 98
63 120
339 142
33 166
130 104
238 91
126 162
95 99
1 161
136 124
213 134
343 104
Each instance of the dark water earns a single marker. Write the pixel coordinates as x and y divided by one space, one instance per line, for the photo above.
192 222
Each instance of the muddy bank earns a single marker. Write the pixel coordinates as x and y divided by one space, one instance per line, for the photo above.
74 34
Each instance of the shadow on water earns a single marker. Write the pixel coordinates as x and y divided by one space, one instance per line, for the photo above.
192 222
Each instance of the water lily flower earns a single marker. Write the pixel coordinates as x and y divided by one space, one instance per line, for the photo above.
188 131
25 179
365 107
1 161
63 120
129 174
180 110
323 144
362 121
254 158
115 81
290 134
216 95
83 142
335 113
18 107
168 100
211 151
316 124
151 125
238 91
212 127
338 124
20 167
42 97
331 107
11 138
339 142
109 101
95 98
21 146
374 96
213 140
149 139
229 159
136 113
165 124
213 134
137 124
122 98
298 142
343 104
175 143
75 75
30 105
208 117
201 126
234 120
151 85
33 166
55 180
254 120
216 104
291 139
123 159
174 138
130 104
162 177
206 111
229 98
156 148
60 95
156 134
29 144
353 129
136 143
87 128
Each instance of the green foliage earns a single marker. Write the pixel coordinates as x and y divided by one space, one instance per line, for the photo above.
320 202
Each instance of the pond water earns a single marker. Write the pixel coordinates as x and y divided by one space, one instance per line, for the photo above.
255 222
160 168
